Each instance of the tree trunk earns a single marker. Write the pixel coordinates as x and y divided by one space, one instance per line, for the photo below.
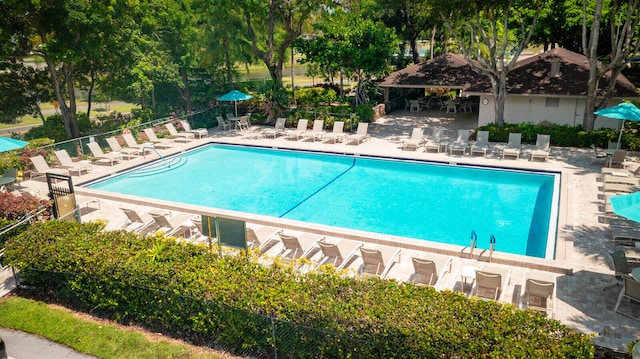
92 83
227 60
500 96
433 39
414 51
186 94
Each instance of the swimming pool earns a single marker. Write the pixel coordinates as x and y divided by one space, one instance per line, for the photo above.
412 199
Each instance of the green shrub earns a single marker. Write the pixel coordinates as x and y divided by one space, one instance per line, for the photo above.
561 135
308 97
231 299
364 112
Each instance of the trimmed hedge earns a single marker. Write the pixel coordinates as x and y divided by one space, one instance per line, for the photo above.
188 291
561 135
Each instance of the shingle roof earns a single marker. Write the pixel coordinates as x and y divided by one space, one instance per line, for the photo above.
531 76
450 70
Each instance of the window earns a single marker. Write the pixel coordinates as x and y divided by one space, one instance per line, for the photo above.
552 102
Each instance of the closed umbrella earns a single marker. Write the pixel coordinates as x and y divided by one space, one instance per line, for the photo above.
235 96
625 111
627 205
8 144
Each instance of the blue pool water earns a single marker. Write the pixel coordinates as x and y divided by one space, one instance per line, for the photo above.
397 198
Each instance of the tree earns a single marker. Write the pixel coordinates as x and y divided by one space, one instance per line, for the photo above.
345 40
23 89
272 26
623 23
484 35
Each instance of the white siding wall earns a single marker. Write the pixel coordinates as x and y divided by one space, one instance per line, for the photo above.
522 109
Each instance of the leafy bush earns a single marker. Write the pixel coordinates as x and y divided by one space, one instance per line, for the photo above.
196 294
365 112
16 207
315 96
561 135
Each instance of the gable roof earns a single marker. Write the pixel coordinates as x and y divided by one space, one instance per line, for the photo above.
449 70
532 76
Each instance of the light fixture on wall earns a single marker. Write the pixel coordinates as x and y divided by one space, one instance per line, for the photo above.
485 101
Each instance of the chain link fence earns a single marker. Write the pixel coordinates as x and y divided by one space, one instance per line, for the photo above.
201 322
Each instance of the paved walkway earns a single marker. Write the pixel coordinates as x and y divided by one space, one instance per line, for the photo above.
580 301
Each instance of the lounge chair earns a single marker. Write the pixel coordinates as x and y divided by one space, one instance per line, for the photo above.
633 181
491 282
631 291
481 145
416 140
260 237
127 153
298 245
620 172
618 188
316 132
435 141
142 148
514 147
179 136
378 261
224 125
618 159
180 224
337 134
461 143
278 129
157 142
299 131
428 271
339 254
101 157
541 150
138 223
361 133
538 292
66 162
198 132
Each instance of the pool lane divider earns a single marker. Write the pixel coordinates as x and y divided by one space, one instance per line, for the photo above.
353 164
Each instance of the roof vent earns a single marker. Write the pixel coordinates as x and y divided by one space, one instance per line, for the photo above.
555 69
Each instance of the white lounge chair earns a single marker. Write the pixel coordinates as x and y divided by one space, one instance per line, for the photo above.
416 140
261 237
461 143
491 282
482 143
361 134
337 134
541 150
66 162
138 223
430 269
297 245
127 153
142 148
180 224
101 157
337 253
538 292
316 132
378 261
198 132
435 141
157 142
278 129
299 131
514 146
42 168
179 136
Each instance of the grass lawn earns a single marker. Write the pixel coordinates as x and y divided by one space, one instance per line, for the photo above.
96 337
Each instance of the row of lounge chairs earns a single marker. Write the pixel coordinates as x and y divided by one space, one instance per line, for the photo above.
317 133
118 153
489 281
462 144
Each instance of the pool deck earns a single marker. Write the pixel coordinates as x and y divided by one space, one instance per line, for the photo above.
582 268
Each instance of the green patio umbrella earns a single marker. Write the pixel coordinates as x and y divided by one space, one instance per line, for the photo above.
625 111
235 96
